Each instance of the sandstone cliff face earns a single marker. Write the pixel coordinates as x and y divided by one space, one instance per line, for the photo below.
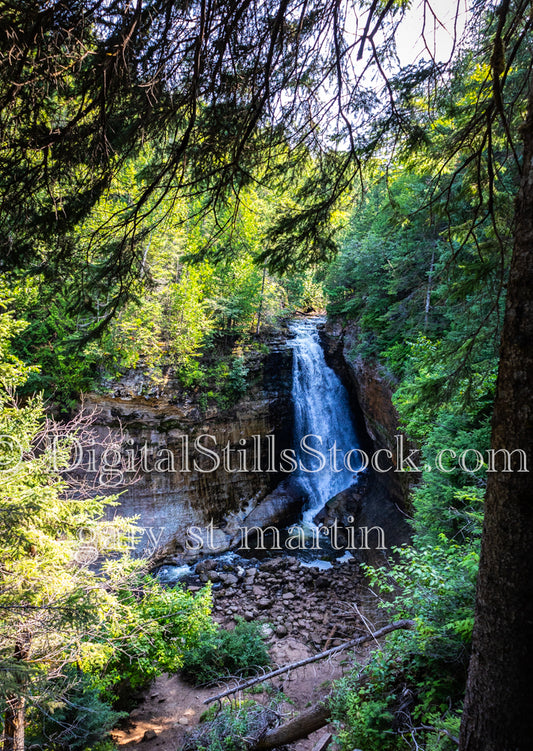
186 506
174 485
373 402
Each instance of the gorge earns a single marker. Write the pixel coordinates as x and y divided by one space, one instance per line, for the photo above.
184 185
277 457
307 596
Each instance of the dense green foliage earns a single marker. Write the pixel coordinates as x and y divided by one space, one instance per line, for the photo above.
240 651
435 343
196 314
420 285
416 684
115 624
76 718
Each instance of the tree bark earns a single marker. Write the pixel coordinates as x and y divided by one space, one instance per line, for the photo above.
299 727
260 309
498 709
14 720
14 724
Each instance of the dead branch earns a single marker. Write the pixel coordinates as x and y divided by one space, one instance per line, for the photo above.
402 624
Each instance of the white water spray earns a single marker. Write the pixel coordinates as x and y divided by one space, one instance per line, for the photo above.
321 408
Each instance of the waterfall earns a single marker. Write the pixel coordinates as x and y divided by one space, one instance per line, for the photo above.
322 409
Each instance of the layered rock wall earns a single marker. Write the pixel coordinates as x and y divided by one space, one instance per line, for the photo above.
174 485
371 394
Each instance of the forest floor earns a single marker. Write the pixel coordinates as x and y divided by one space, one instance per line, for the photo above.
305 610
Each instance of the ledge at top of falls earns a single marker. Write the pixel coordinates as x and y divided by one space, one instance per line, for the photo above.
140 390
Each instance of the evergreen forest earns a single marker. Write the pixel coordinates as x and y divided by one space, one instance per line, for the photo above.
181 179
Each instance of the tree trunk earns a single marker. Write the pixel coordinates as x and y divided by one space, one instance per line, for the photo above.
498 712
299 727
428 293
14 724
260 309
14 713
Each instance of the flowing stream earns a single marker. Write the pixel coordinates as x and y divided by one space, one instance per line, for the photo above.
322 421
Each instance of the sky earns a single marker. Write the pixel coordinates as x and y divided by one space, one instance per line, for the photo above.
428 29
444 20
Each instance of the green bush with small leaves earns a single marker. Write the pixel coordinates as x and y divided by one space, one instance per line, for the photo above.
240 651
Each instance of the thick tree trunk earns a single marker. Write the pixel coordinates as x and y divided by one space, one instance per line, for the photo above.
14 725
498 712
299 727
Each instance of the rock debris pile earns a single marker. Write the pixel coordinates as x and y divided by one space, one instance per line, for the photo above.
319 606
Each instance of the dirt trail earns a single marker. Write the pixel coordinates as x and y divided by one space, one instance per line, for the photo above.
304 611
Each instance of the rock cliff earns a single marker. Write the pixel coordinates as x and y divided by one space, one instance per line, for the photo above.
190 474
371 394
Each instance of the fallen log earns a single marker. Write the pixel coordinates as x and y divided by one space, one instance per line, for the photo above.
301 726
293 665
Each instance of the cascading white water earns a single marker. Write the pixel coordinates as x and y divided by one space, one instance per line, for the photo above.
322 409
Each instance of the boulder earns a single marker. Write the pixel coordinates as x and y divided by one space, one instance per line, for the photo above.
343 510
278 509
273 566
208 564
229 579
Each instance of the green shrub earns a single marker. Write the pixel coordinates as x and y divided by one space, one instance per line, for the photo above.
364 710
237 375
229 728
159 625
223 652
77 718
415 683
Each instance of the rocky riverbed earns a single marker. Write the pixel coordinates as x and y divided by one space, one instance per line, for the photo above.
316 605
